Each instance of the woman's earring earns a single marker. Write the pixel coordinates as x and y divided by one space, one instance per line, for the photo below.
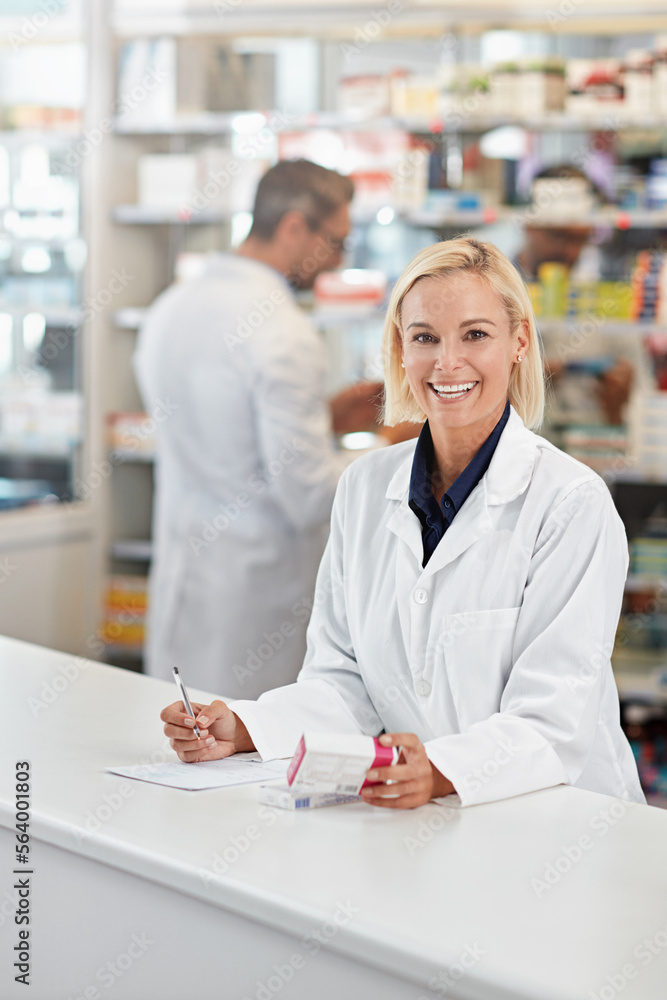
402 365
519 358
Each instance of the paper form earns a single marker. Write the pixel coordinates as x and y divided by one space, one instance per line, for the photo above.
207 774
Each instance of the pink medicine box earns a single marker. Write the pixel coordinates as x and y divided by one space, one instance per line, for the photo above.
326 762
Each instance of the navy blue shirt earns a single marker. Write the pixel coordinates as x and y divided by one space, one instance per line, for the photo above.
436 517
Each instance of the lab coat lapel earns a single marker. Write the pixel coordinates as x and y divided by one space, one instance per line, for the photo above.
403 522
508 476
472 521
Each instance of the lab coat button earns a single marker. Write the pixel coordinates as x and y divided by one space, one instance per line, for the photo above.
420 596
423 688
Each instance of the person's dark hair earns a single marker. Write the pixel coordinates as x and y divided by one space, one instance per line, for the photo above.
564 171
298 185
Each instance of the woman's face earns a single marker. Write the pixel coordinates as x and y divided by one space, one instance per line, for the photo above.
458 351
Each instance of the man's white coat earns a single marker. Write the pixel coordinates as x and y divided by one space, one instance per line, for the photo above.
245 476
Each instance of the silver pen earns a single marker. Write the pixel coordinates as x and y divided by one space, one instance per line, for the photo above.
186 701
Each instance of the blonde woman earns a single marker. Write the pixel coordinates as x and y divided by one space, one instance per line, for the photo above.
468 598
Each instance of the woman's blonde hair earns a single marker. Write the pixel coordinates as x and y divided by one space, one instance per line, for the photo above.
465 254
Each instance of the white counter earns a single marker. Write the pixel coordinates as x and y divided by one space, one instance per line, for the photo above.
143 908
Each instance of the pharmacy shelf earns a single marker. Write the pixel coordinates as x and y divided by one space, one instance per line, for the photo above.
638 688
423 218
124 456
617 218
607 327
636 477
121 652
340 20
139 215
223 123
132 550
131 318
640 584
53 315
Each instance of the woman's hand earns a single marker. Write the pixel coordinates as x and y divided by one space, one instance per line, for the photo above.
222 732
416 779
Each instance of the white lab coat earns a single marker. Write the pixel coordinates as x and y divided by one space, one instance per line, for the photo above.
496 654
234 374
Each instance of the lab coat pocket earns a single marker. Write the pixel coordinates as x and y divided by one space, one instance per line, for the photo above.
475 651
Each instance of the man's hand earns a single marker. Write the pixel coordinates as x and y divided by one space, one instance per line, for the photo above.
415 781
357 408
222 732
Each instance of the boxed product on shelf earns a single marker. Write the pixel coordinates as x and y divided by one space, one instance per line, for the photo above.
146 83
166 181
352 286
365 96
38 420
648 431
414 96
648 557
530 88
637 76
131 433
465 92
656 348
388 167
649 287
162 79
646 729
593 87
600 447
660 75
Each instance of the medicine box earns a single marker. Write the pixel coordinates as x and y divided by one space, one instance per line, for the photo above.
337 763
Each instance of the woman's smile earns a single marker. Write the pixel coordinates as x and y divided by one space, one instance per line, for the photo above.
450 391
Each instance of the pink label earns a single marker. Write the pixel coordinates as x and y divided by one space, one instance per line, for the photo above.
384 757
296 761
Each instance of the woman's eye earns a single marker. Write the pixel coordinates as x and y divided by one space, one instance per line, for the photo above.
422 338
476 334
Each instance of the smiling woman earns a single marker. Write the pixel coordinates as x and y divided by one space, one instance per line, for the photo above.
477 572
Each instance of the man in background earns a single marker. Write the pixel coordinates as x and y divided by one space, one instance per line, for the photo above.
245 465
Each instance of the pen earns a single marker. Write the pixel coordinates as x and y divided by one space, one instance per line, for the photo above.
186 701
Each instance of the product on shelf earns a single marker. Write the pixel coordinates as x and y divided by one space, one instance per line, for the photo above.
656 347
649 287
529 87
594 87
125 608
637 76
414 96
598 446
166 181
646 729
163 79
362 97
36 420
648 557
388 167
648 432
352 286
131 433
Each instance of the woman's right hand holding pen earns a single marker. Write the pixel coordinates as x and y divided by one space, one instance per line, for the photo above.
222 732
